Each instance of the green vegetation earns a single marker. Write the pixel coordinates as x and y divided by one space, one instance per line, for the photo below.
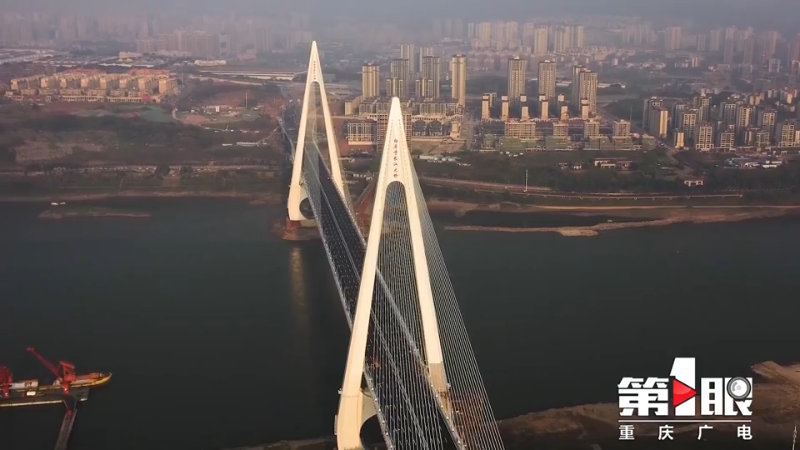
629 107
786 197
543 170
650 172
124 140
783 178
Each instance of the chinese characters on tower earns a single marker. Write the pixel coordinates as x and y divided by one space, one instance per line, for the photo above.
664 407
394 160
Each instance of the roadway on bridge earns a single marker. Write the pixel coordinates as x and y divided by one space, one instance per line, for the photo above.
346 249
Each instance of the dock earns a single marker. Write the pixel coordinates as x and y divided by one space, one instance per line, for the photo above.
51 397
65 431
69 389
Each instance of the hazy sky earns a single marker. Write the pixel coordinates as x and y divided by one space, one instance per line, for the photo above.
713 11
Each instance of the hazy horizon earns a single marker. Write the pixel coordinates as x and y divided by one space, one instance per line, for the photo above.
778 12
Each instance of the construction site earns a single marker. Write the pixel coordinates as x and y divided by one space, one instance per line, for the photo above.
68 388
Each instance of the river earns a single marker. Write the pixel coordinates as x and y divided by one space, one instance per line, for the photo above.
219 334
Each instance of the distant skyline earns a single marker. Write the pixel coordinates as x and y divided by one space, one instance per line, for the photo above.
782 15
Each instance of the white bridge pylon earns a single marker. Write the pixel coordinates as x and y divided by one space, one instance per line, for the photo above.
396 167
297 189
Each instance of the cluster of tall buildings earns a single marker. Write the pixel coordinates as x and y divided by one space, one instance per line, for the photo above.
198 44
529 125
417 73
744 46
741 46
533 38
202 37
734 123
551 121
582 100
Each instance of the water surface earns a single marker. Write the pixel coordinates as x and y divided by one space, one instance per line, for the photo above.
219 334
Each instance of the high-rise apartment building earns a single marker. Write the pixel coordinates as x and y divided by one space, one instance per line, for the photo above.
704 137
672 38
715 39
428 83
540 41
728 50
421 53
726 140
687 122
560 41
584 88
407 52
516 78
793 51
702 103
739 37
575 87
744 117
649 104
398 81
621 129
458 79
727 112
547 79
766 46
659 120
785 135
702 43
748 50
528 30
766 120
577 36
370 81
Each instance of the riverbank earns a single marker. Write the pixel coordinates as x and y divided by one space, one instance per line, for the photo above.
629 216
773 419
256 198
774 414
65 212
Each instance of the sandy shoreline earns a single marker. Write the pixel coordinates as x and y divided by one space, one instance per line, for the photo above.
651 216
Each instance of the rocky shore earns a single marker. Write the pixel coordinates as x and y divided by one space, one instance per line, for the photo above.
776 407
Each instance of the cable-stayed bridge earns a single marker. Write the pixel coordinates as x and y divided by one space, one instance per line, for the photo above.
410 362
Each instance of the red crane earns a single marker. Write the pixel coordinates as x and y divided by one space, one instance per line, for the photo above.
5 380
65 372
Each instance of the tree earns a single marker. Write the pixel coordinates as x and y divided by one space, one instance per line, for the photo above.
162 170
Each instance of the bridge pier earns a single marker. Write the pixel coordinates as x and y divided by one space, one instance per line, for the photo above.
358 410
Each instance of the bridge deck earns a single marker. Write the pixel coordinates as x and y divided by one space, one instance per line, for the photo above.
345 248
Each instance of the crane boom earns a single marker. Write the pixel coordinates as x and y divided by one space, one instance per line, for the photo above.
45 362
65 371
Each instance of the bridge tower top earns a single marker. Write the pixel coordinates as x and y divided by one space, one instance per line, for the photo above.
308 145
314 66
